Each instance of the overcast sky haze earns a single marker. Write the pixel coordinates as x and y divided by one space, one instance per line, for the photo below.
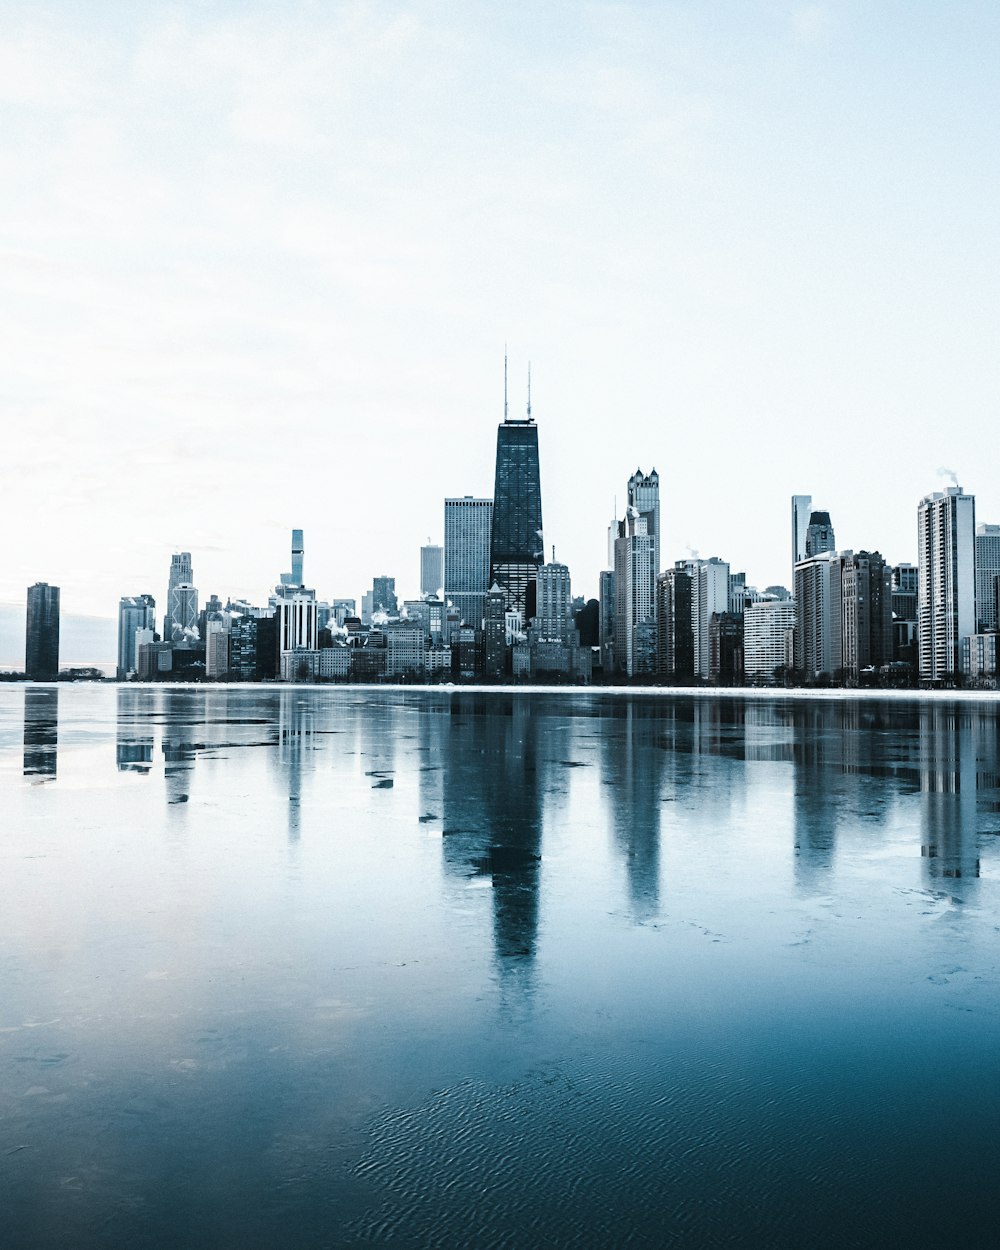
258 264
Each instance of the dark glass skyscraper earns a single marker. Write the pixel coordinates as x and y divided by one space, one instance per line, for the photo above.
517 549
41 642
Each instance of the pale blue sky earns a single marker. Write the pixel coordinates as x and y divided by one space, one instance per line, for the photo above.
258 264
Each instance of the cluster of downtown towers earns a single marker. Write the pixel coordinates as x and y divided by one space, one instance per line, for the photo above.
492 608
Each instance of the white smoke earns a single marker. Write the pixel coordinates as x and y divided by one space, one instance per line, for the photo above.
943 472
380 618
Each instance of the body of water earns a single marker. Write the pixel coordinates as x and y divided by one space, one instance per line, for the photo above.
308 967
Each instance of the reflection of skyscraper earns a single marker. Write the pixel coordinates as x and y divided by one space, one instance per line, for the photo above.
632 765
41 640
492 811
468 524
948 779
134 737
41 732
516 546
134 612
181 714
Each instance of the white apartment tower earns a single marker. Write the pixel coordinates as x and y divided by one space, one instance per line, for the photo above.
946 580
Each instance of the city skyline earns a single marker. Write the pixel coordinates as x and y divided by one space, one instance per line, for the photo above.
295 288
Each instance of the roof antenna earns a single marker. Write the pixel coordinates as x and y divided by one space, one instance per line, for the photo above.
505 381
553 553
529 390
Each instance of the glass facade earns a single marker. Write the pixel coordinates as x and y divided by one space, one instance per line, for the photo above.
517 548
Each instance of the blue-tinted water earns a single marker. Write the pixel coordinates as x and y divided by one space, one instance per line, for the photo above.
317 968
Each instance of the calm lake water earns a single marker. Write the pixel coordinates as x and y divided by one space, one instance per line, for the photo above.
311 967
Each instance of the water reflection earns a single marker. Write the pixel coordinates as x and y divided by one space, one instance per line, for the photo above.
952 745
634 747
41 732
133 730
491 810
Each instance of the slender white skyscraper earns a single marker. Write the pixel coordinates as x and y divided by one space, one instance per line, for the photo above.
946 602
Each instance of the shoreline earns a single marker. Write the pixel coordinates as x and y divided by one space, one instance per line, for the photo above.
751 693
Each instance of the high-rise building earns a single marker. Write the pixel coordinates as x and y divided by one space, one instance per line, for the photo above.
819 534
635 639
817 629
801 510
674 633
41 639
946 610
606 619
768 625
181 574
431 569
987 571
866 611
516 547
553 612
297 624
709 595
904 592
468 528
644 496
295 577
495 633
384 595
134 612
183 614
725 633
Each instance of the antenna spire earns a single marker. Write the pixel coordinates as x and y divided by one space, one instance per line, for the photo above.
505 381
529 390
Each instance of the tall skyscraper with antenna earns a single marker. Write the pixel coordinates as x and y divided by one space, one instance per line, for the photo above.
517 549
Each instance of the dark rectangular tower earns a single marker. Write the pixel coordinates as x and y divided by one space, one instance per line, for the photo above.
517 547
41 642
